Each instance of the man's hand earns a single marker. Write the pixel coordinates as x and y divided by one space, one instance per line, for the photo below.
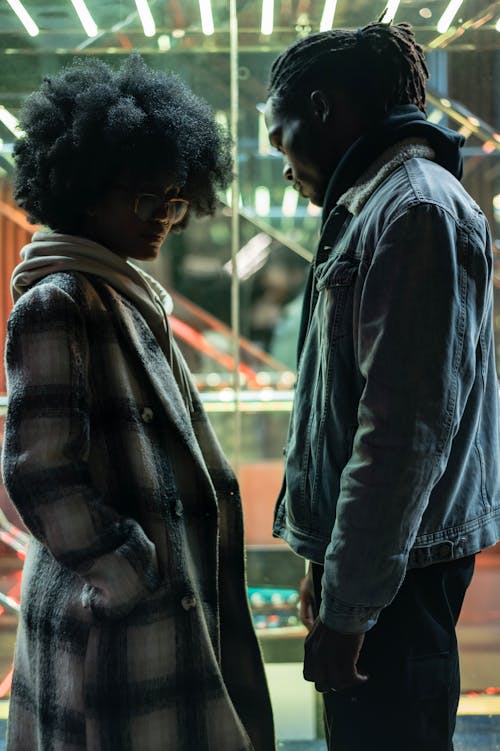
330 659
306 592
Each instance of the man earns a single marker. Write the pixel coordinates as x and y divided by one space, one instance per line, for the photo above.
391 479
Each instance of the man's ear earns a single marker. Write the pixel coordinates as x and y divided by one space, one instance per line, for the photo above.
321 105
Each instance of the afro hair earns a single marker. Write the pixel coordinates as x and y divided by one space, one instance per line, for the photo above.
88 124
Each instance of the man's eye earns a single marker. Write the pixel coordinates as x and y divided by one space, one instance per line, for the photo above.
274 151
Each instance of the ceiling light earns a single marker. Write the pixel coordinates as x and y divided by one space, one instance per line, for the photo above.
24 17
425 12
497 25
262 201
229 199
10 122
290 201
207 20
313 210
464 131
252 256
390 12
328 15
88 23
221 119
448 16
267 22
147 19
164 43
263 136
435 116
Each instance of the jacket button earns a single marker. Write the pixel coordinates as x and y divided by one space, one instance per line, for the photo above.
179 508
188 602
147 414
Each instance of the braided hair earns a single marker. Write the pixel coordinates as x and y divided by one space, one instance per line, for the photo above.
382 62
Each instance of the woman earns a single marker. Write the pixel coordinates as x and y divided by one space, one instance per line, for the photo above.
135 633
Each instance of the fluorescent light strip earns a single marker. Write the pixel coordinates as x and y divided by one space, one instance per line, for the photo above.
267 22
147 19
497 25
448 16
263 138
262 201
392 8
252 256
10 122
88 23
207 20
290 201
24 17
328 15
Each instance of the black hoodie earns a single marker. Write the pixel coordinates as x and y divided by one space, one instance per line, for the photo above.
404 121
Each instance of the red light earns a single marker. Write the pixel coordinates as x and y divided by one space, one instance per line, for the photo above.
6 684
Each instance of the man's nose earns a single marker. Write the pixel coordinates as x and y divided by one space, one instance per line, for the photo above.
287 172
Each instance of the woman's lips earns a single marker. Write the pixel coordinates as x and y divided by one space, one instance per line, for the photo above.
154 237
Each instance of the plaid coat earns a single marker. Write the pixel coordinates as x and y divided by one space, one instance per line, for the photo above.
135 633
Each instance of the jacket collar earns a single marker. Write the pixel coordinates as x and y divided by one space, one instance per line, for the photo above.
355 198
401 123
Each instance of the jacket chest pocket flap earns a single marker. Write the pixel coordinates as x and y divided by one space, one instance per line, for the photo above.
335 284
336 272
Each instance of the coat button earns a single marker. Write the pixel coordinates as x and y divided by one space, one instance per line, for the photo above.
188 602
147 414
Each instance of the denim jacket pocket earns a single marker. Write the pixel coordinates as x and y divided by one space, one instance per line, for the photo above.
335 282
336 272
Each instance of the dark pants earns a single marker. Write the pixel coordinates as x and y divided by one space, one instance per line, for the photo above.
411 656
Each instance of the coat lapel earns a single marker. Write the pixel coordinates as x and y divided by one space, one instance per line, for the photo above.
155 365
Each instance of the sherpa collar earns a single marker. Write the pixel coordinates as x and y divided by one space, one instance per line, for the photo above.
355 198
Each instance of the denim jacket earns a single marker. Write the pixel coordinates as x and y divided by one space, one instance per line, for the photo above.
392 459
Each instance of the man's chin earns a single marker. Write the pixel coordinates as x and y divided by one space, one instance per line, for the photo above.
317 200
316 194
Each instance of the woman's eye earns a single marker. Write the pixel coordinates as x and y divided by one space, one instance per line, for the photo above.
275 151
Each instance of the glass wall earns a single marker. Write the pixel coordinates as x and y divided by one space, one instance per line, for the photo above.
237 321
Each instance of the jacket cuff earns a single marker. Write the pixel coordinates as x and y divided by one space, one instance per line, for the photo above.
347 619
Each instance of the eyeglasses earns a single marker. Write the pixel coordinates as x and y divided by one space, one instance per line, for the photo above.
147 204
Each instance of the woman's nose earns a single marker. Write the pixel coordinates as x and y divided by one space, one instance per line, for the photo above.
162 213
287 172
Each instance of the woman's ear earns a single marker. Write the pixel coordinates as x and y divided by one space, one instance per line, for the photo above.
321 105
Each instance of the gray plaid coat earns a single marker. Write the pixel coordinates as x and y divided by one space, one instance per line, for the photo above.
135 633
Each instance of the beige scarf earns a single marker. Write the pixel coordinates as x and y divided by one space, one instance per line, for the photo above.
52 252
